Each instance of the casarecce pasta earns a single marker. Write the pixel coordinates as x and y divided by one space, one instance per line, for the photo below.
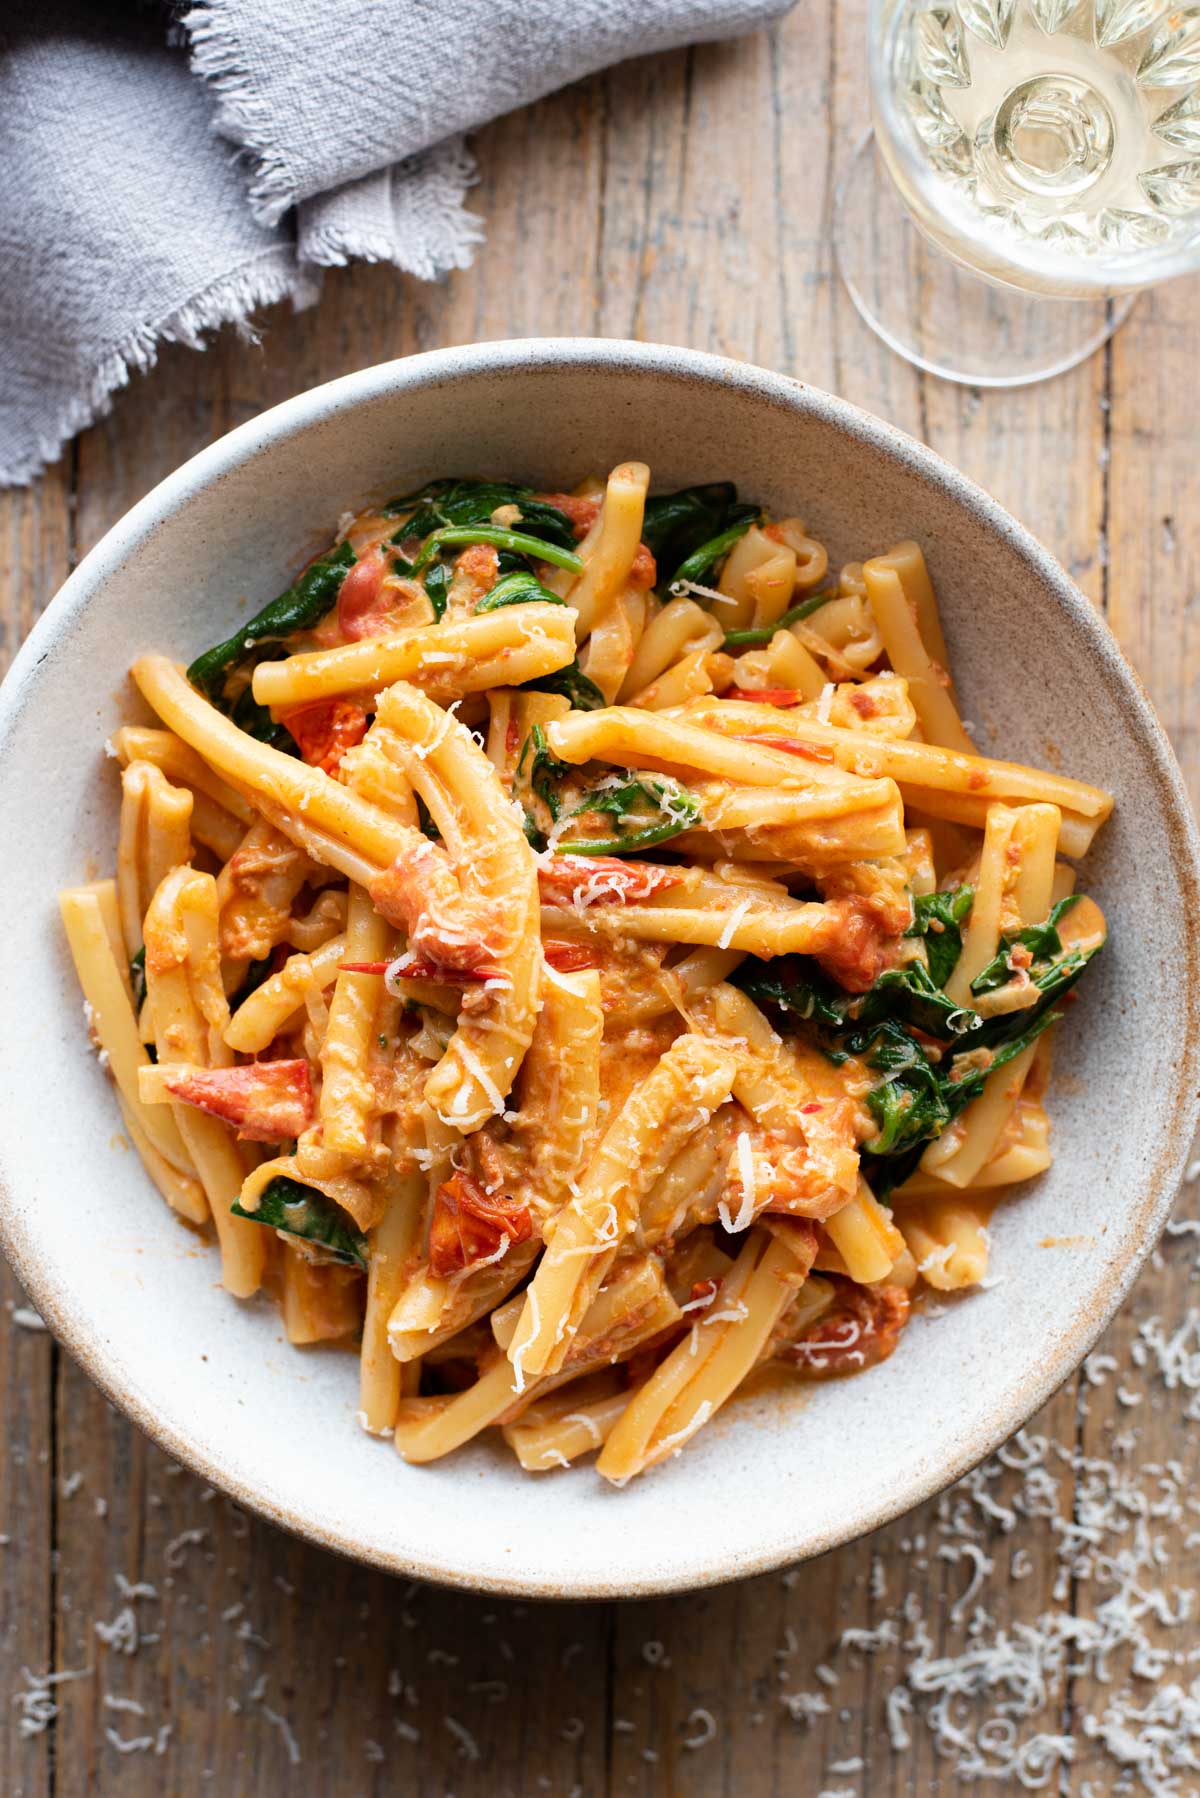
569 947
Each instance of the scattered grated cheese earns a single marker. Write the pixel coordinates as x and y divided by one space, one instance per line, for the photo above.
468 1747
704 1724
731 923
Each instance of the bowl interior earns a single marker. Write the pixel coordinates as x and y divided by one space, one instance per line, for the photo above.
136 1297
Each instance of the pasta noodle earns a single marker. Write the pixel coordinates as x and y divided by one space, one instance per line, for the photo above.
582 958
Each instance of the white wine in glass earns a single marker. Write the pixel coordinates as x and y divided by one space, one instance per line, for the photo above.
1049 149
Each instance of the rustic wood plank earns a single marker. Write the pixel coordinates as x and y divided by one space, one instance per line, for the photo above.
35 558
26 1572
238 1675
1151 579
684 198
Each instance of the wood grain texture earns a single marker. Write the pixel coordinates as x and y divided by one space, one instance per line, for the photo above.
684 198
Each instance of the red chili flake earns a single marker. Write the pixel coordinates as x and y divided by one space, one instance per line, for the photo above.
812 752
780 696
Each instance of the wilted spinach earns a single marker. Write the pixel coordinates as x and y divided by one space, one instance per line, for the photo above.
938 918
285 1204
678 526
298 609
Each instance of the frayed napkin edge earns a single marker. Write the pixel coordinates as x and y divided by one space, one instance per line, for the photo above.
241 116
272 276
411 214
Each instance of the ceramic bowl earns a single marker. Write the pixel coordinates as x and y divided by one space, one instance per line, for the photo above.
133 1295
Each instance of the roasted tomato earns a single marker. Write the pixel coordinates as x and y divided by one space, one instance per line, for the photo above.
413 967
862 1327
777 696
811 752
362 604
567 958
601 879
268 1101
862 947
420 893
644 569
470 1224
479 564
582 509
325 730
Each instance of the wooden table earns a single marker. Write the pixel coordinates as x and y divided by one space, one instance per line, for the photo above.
684 199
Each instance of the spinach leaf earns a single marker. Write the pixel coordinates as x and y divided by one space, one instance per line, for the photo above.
912 996
909 1105
938 918
137 978
1042 941
473 503
761 636
918 1098
573 683
536 785
298 1210
517 589
302 606
425 823
545 771
697 565
644 812
437 589
1024 1028
795 985
922 1089
451 536
408 502
256 973
676 525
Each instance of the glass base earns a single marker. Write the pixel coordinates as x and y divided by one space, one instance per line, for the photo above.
942 317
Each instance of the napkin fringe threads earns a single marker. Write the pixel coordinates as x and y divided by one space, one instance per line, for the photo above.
242 115
273 276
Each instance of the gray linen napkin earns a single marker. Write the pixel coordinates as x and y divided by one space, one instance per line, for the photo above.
126 221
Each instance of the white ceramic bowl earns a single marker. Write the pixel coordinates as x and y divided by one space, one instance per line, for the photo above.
135 1299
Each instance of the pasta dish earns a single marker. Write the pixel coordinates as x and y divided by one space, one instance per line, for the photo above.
568 947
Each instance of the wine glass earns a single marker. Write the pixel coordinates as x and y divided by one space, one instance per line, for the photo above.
1033 164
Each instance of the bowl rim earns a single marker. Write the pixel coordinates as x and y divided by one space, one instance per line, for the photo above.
303 411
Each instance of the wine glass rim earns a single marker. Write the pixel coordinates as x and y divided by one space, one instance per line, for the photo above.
1006 261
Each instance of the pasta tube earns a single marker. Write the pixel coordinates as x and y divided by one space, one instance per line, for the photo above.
155 836
948 1240
348 1097
912 658
106 994
679 628
634 739
188 1007
608 561
445 765
181 765
865 1237
271 1007
937 781
1031 841
448 660
554 1432
633 1307
708 1366
395 1247
691 1080
289 791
